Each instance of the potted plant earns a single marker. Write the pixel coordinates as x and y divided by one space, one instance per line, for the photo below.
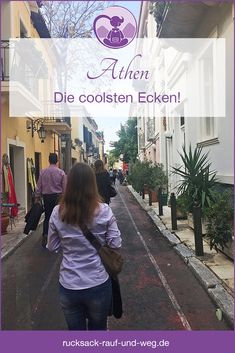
147 177
152 178
5 219
197 180
134 176
181 206
152 183
139 176
219 228
161 181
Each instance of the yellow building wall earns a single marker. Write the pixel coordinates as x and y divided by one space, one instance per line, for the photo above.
101 150
75 154
20 11
14 130
75 125
16 127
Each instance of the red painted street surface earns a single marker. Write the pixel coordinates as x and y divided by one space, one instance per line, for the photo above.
159 290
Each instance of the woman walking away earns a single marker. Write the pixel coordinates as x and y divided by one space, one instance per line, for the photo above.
85 286
103 181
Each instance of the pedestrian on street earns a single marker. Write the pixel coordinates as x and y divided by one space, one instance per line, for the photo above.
85 286
111 175
51 185
103 181
120 176
114 176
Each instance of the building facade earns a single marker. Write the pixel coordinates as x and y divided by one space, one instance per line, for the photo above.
161 138
28 141
25 139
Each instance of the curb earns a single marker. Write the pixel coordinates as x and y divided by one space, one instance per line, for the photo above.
210 282
18 244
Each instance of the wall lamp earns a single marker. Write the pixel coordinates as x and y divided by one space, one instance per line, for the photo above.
37 126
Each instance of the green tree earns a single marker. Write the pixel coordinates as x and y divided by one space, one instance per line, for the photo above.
127 144
112 159
71 18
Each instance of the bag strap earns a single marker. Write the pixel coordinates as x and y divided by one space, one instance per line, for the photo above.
91 238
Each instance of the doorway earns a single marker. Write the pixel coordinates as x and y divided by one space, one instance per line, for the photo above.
17 163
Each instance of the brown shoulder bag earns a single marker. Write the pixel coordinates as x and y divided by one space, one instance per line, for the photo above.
111 258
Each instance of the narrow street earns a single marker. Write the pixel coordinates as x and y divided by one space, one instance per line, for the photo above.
159 291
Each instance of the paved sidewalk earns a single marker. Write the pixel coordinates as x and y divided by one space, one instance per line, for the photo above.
215 271
14 237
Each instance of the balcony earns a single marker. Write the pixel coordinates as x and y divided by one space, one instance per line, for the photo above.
22 87
58 125
5 47
176 20
151 129
159 10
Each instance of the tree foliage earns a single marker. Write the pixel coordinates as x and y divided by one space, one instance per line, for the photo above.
71 18
147 174
112 159
127 144
219 228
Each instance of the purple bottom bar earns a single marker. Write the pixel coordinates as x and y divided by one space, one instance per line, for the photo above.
117 341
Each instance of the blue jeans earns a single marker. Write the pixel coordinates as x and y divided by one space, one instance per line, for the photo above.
87 308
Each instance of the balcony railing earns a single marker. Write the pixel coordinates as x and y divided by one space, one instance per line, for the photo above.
159 10
13 62
60 125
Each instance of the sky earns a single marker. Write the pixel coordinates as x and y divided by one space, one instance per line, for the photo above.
111 126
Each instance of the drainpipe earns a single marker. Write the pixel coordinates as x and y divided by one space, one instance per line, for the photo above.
168 136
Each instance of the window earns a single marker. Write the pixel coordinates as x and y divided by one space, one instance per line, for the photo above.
207 95
181 121
23 31
181 115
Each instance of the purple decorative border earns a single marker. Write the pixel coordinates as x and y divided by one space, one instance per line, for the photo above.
179 341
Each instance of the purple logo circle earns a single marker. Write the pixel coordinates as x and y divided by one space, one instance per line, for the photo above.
116 27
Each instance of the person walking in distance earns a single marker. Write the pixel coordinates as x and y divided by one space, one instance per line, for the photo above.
85 286
51 185
103 181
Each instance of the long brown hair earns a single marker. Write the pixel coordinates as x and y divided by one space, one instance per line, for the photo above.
81 196
99 166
